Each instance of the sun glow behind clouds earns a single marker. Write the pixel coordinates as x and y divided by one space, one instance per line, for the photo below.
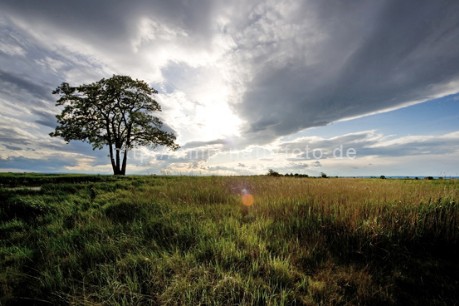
196 82
215 114
198 102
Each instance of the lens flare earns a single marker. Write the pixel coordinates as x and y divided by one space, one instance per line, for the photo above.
247 199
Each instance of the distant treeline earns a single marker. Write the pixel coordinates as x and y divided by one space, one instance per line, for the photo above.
271 172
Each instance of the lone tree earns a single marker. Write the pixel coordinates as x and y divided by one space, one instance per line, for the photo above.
114 112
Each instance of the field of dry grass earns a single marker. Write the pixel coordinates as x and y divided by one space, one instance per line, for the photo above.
191 240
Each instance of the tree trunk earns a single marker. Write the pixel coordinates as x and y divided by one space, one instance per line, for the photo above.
117 170
123 168
112 159
126 148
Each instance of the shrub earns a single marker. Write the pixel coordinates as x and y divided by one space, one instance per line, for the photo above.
271 172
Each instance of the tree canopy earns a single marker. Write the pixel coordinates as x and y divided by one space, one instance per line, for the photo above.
115 112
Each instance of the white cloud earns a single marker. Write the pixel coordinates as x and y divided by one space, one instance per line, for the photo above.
371 152
11 49
152 32
51 63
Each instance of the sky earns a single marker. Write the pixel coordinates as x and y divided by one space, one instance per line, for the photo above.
347 88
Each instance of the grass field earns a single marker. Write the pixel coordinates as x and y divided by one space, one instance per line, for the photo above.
96 240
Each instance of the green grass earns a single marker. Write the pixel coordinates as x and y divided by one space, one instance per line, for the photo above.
189 240
11 179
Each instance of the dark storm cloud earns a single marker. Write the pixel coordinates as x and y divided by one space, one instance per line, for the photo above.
110 22
45 118
11 136
402 51
10 82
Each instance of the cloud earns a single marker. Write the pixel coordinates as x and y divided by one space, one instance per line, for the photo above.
11 135
360 59
233 76
13 148
54 164
11 49
195 144
316 164
45 118
414 146
287 66
11 82
368 143
372 151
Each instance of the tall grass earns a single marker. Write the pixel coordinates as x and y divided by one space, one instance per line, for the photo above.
189 240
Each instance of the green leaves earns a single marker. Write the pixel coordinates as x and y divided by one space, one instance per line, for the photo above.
114 112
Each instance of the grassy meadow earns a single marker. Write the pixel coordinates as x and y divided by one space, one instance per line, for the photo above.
103 240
